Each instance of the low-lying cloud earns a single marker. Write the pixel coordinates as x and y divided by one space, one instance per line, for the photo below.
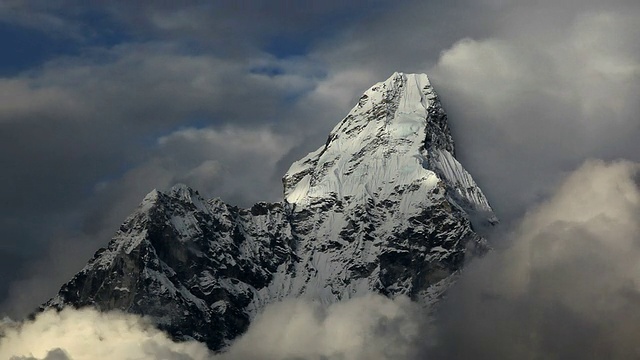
371 327
567 283
91 335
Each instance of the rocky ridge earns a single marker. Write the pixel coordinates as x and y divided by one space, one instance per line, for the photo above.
383 206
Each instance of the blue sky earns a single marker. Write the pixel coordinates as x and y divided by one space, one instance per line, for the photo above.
103 102
30 48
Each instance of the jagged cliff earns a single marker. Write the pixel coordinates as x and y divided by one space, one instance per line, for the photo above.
382 207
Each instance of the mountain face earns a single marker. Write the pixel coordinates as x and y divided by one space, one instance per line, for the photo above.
383 206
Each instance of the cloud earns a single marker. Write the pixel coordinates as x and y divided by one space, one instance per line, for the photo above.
563 285
371 327
81 140
39 15
233 163
88 334
546 91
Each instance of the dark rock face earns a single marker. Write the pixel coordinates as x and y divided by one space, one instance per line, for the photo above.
383 206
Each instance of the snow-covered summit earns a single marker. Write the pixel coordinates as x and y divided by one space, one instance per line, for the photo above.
397 134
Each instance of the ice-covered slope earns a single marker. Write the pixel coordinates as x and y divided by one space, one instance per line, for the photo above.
382 206
384 192
397 131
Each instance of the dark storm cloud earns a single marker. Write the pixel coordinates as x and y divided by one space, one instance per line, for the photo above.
60 124
236 28
77 125
227 28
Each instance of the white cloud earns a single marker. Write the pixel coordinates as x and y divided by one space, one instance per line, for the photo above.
233 163
90 335
366 328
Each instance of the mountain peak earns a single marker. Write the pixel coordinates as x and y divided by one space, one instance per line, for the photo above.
388 140
409 98
383 206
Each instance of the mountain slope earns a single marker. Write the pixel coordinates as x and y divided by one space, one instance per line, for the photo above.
383 206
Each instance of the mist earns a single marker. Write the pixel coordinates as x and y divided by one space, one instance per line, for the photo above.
564 284
370 327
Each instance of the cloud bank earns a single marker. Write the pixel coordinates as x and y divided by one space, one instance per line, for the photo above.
565 285
371 327
88 334
550 89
